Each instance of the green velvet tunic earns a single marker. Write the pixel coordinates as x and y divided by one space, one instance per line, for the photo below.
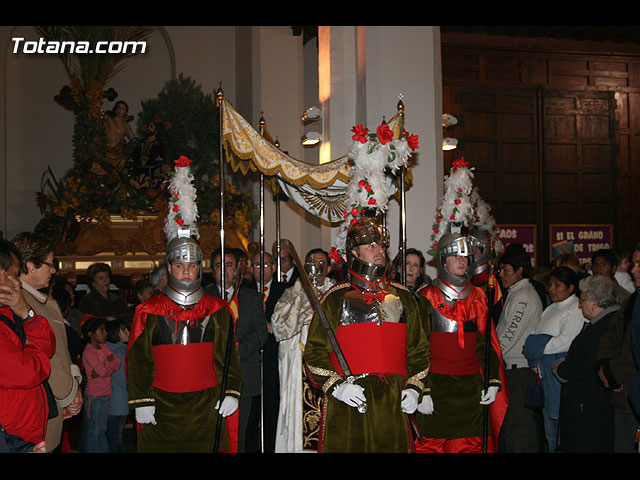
457 411
384 428
186 422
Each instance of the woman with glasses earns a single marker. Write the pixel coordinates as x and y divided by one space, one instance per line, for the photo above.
37 268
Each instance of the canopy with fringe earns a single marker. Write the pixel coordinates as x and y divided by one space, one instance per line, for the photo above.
319 189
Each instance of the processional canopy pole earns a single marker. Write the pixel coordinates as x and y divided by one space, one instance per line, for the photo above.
230 336
262 124
219 103
403 206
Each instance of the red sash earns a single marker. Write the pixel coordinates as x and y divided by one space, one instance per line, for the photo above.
372 348
448 358
184 368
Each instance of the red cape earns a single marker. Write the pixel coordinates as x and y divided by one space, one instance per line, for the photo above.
160 304
477 307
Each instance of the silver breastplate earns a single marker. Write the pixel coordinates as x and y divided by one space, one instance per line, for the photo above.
355 309
172 332
441 323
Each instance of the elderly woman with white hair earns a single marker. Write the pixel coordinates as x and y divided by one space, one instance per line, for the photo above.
586 410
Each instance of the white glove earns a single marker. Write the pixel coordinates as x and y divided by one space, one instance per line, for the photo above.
409 401
229 405
349 393
426 405
489 397
146 415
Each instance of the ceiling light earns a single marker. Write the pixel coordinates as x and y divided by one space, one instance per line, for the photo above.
449 143
311 138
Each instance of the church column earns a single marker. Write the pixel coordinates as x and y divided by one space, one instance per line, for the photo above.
362 72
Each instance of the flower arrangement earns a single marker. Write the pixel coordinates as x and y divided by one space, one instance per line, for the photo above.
369 188
84 195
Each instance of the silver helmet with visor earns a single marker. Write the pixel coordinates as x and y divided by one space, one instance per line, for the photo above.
184 249
459 245
366 232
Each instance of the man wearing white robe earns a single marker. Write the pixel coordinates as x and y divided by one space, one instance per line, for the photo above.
290 322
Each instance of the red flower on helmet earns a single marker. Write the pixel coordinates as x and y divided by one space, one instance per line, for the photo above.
412 140
182 161
360 133
384 133
459 163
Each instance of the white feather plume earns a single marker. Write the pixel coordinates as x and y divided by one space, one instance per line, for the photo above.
371 181
183 209
455 206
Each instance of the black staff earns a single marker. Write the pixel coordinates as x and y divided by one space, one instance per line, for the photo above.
487 361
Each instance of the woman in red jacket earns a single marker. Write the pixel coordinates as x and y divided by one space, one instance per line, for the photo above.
26 345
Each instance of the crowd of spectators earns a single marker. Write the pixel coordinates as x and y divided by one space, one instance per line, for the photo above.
570 323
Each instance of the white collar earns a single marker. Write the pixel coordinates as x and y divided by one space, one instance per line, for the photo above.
519 284
38 295
570 299
288 273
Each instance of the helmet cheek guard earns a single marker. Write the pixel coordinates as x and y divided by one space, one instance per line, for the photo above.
480 263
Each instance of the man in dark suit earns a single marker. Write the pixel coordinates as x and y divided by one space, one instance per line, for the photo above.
288 270
272 291
251 332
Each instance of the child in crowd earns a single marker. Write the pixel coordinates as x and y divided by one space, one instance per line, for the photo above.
117 339
99 364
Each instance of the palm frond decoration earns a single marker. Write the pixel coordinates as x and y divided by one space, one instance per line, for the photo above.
98 68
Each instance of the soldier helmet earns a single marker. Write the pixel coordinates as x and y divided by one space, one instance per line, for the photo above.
185 293
455 244
365 232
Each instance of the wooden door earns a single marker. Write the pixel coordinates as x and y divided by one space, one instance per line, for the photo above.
540 156
579 163
498 135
